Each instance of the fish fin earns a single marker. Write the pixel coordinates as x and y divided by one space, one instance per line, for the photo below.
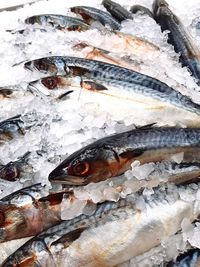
147 126
78 71
68 238
131 153
64 95
93 86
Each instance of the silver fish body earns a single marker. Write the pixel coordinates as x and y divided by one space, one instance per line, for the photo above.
113 155
58 21
111 75
89 13
178 37
126 230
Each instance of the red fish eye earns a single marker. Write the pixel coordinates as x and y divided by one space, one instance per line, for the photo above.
81 168
50 83
2 218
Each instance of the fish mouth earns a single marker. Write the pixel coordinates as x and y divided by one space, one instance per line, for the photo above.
61 176
28 66
38 87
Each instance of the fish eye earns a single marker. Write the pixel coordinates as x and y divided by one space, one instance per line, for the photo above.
2 218
40 65
81 168
10 172
50 82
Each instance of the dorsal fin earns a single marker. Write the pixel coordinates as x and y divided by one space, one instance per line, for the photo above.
147 126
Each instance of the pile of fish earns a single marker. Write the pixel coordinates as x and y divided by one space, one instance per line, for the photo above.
130 197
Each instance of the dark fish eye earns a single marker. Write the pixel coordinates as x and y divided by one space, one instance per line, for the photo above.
41 66
50 83
2 218
81 168
10 172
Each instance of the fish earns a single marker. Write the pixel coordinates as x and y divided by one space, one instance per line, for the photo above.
10 128
59 22
144 10
81 241
126 80
91 13
29 211
5 93
190 258
103 55
14 170
178 37
113 155
117 11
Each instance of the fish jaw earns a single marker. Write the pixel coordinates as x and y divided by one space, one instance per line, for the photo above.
44 65
38 87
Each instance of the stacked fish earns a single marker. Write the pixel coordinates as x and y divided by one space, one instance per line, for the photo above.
135 225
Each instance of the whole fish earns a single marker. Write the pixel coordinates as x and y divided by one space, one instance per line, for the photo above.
91 13
111 75
58 21
116 10
10 128
190 258
113 155
15 169
29 211
178 37
126 229
144 10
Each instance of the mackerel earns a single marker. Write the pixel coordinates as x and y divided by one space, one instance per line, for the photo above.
111 75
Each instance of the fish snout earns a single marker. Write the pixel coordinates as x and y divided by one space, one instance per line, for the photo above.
28 66
63 177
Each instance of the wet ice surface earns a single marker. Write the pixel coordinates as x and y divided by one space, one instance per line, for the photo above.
63 127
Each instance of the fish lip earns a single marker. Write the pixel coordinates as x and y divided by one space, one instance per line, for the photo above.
64 178
27 66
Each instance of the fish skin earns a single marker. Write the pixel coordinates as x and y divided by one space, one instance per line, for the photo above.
137 8
61 246
104 18
113 155
117 11
29 211
178 37
190 258
116 76
58 21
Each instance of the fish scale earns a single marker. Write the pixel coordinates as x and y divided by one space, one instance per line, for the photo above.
156 218
111 75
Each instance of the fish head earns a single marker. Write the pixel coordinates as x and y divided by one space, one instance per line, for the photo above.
10 172
51 83
44 65
33 20
157 4
90 164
